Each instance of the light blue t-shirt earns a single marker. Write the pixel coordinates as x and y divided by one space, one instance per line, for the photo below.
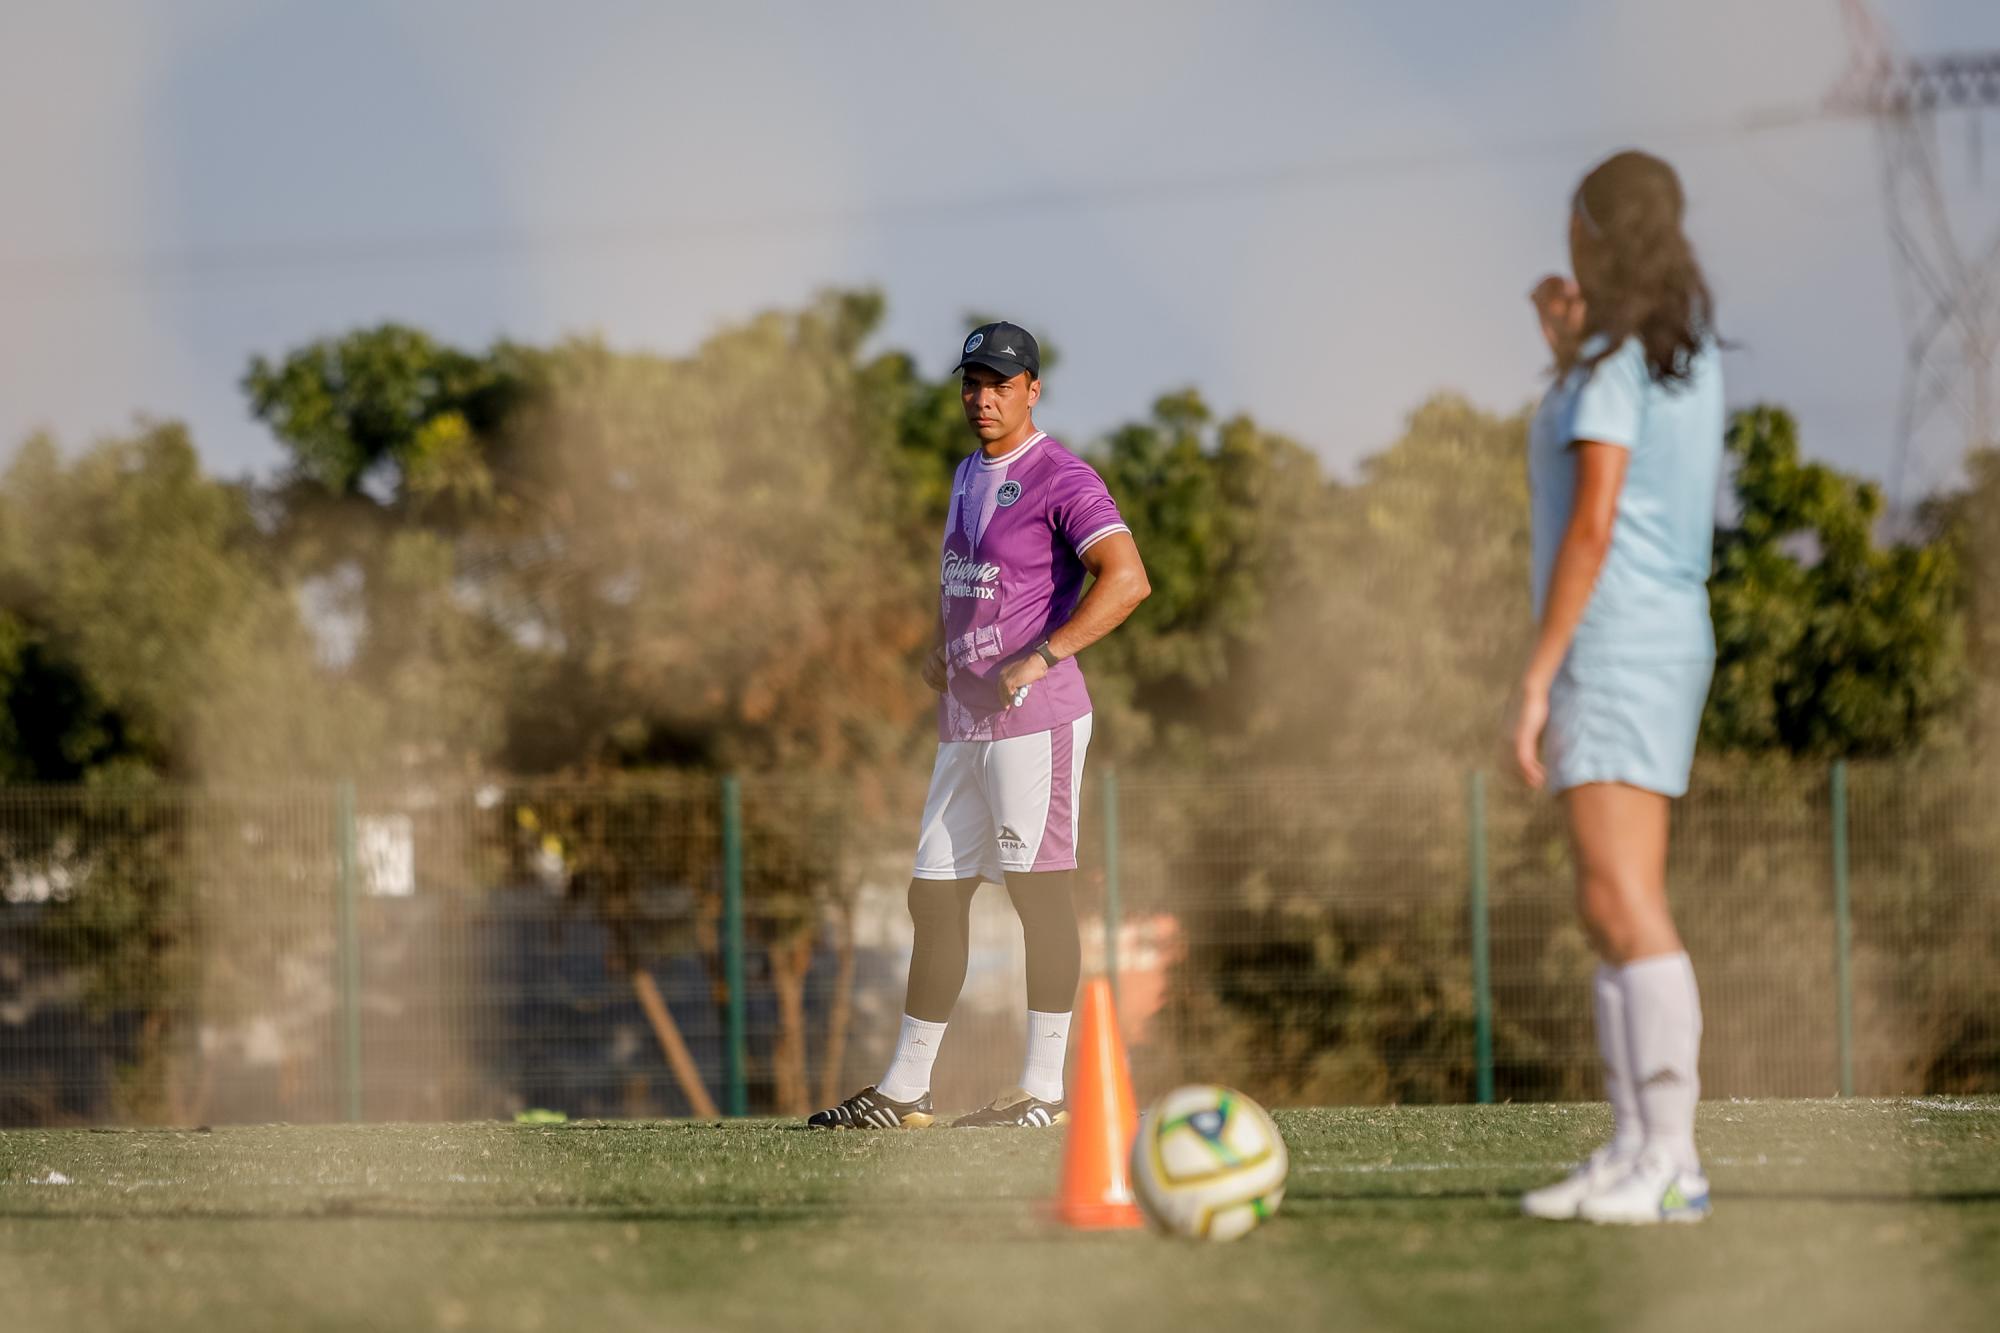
1651 599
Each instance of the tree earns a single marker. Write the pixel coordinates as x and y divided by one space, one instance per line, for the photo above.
712 569
1828 642
1298 621
1375 642
1429 599
1969 522
1232 521
397 474
142 600
142 641
53 725
702 563
722 577
387 408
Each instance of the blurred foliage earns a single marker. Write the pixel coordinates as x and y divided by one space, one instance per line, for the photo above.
387 407
1322 929
1967 523
1828 641
569 559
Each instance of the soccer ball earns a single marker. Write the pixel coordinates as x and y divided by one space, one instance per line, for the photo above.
1208 1163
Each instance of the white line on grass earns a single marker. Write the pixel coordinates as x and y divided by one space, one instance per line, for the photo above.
1403 1168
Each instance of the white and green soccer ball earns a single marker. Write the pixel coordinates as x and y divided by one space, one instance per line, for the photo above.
1208 1163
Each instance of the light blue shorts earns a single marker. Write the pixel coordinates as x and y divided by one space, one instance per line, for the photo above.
1628 722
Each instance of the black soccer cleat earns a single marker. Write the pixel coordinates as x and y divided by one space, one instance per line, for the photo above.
1017 1108
869 1109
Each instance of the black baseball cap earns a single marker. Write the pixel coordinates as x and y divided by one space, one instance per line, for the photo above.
1007 349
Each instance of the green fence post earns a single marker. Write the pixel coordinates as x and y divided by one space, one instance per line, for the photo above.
1482 972
347 952
737 1099
1843 931
1113 914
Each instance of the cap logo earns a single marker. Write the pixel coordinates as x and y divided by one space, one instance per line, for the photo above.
972 343
1009 351
1010 491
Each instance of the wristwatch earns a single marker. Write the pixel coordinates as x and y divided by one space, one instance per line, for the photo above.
1048 653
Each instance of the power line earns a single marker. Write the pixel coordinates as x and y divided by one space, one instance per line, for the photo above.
274 258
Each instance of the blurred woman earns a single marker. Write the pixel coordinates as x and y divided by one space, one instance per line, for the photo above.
1625 454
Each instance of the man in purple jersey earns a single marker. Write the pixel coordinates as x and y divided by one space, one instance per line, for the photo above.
1029 520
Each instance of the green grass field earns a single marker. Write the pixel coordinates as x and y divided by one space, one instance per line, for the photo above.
1876 1215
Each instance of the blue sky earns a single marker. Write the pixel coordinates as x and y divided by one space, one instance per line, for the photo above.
192 181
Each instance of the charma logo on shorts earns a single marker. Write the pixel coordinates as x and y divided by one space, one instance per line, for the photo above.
965 577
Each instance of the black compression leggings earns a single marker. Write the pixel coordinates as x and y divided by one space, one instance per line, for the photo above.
942 911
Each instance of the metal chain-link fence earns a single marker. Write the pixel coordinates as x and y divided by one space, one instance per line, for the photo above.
675 946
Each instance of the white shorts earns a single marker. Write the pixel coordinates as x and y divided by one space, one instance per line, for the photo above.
1004 805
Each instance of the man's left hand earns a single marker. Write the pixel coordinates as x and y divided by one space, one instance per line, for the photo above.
1024 672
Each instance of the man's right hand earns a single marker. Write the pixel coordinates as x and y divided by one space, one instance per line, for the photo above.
935 674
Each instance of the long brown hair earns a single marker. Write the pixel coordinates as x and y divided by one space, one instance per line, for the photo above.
1636 269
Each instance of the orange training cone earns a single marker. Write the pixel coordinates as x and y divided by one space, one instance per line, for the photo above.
1096 1189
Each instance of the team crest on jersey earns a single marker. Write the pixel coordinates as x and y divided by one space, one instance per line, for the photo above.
972 343
1010 491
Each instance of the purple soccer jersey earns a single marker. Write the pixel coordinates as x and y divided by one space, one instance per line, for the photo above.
1012 576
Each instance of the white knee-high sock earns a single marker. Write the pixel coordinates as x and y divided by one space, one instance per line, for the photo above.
1048 1041
1628 1127
909 1075
1663 1026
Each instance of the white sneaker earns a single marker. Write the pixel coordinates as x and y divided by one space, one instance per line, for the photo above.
1559 1202
1656 1189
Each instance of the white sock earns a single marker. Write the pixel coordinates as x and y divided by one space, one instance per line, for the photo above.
909 1075
1628 1127
1048 1039
1663 1027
